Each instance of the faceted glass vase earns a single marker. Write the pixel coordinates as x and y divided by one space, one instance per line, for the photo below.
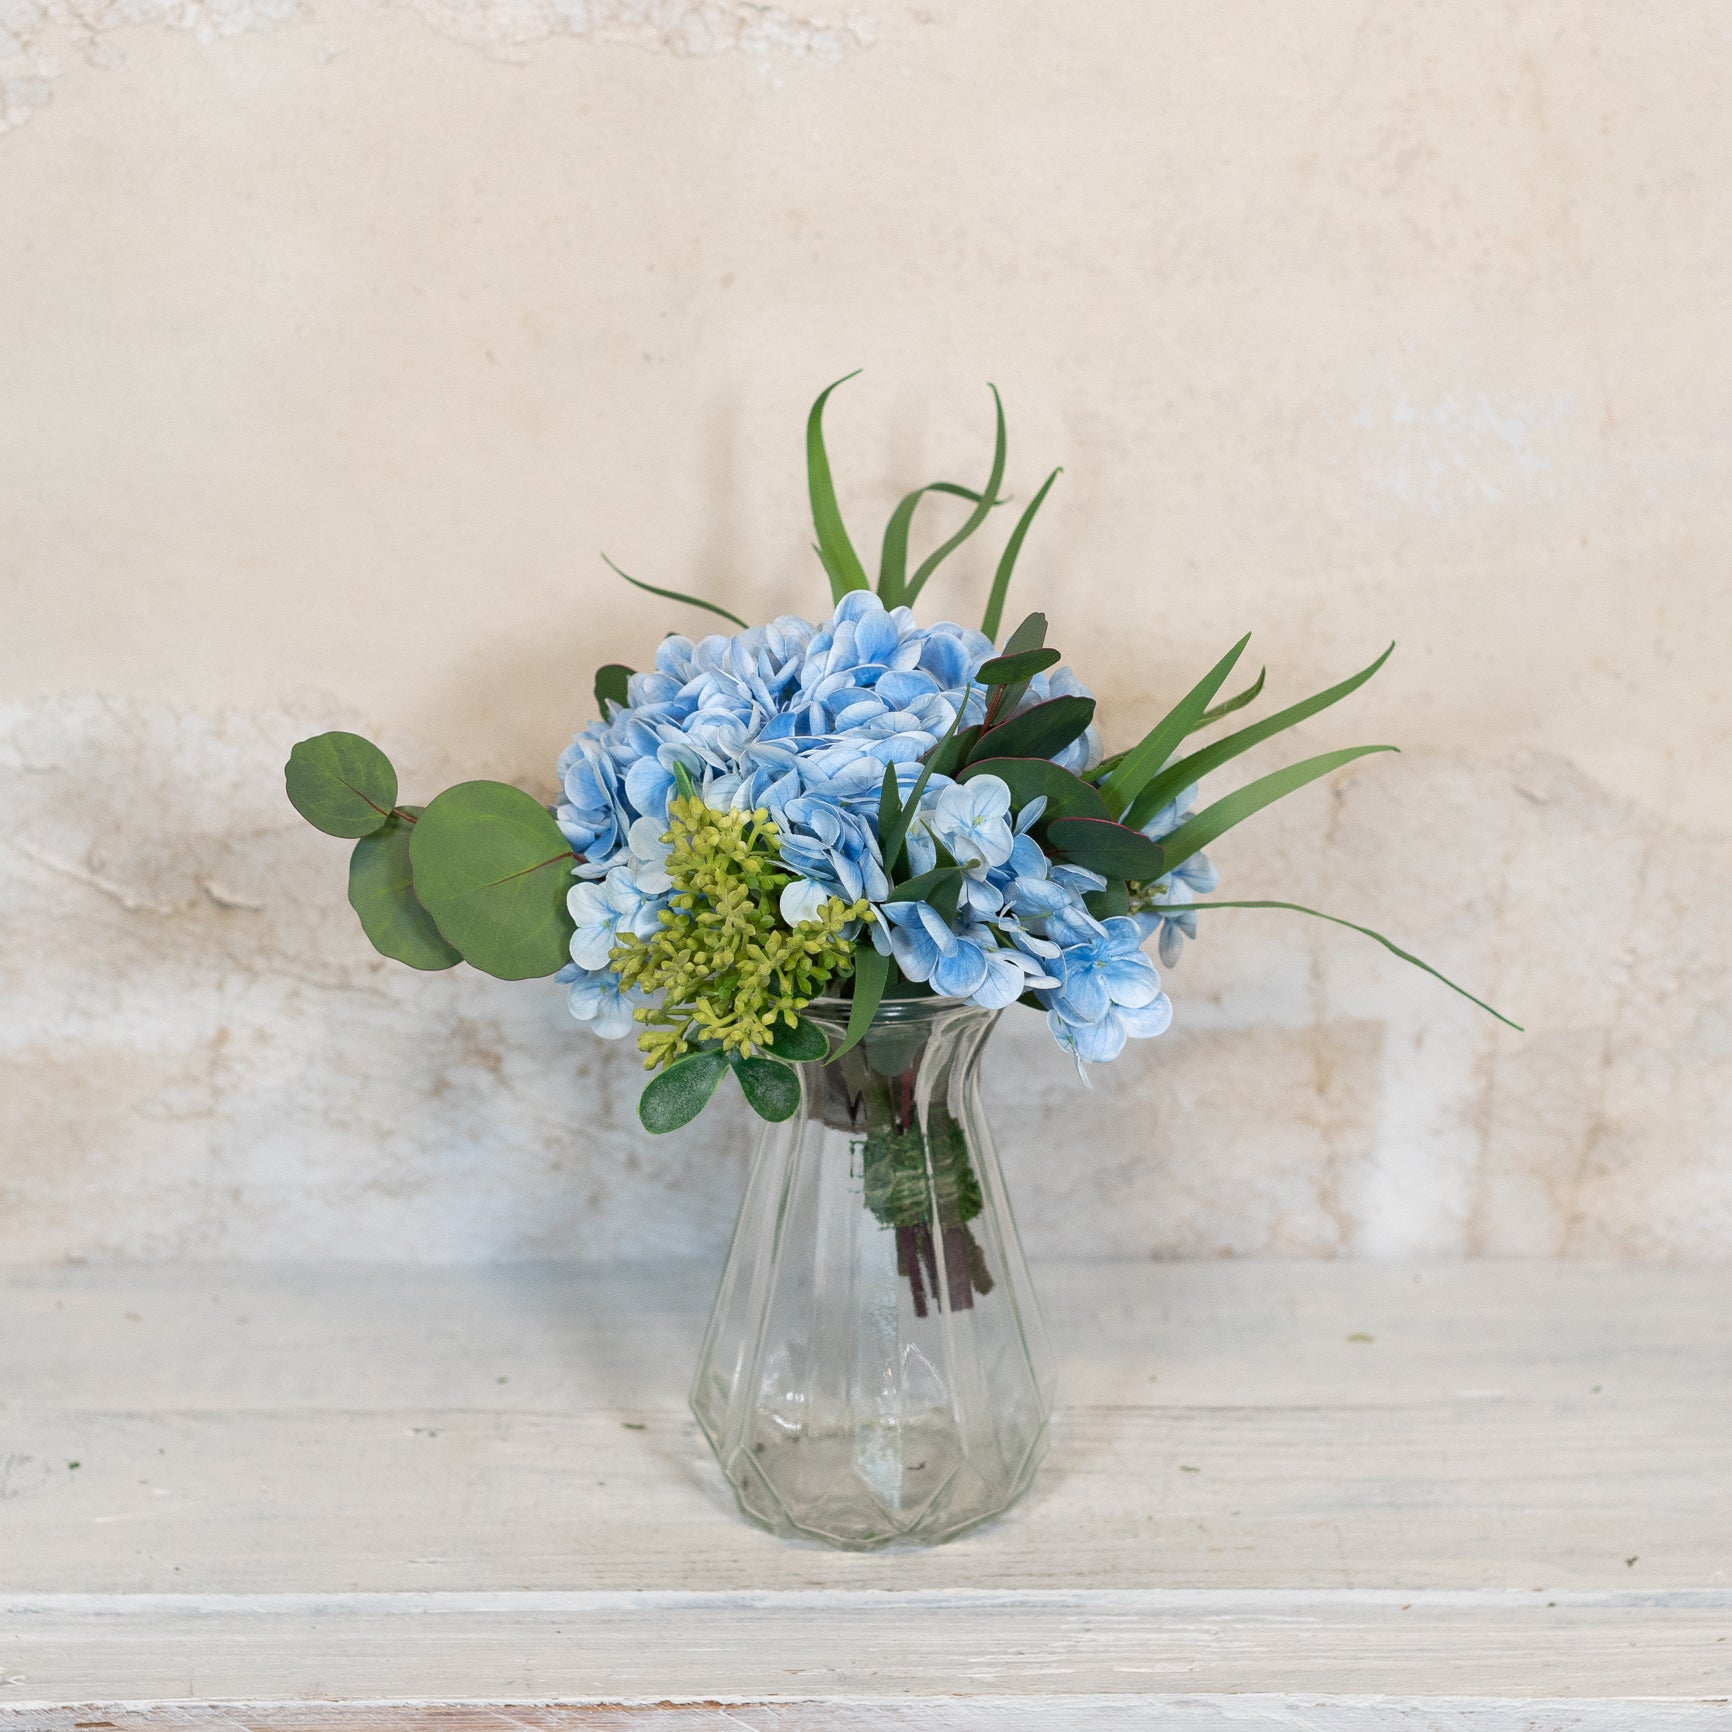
876 1369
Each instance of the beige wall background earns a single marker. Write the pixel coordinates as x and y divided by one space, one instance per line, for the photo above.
336 341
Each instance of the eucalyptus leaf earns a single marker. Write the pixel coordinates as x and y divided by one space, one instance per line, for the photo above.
889 802
801 1044
871 975
675 595
492 869
1007 561
1030 635
1067 796
772 1089
382 893
1038 732
341 784
1142 763
1201 828
951 753
675 1096
975 518
893 559
1177 777
1105 904
1353 926
610 687
1006 670
836 551
1107 848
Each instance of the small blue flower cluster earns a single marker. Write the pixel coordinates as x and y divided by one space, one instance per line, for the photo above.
802 720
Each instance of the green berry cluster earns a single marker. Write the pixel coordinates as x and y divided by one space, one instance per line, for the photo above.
729 968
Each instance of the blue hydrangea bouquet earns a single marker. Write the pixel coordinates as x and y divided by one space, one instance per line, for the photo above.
862 809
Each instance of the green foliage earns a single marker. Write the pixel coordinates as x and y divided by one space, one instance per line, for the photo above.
675 595
988 498
1140 765
382 893
1007 563
951 753
1107 848
341 784
1067 796
801 1044
492 869
678 1094
1114 899
610 687
835 550
1039 731
871 976
893 558
772 1090
941 887
1248 696
1006 670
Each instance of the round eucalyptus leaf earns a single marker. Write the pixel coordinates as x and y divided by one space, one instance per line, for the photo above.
1067 796
772 1089
800 1044
382 893
1006 670
1110 849
492 869
675 1096
341 784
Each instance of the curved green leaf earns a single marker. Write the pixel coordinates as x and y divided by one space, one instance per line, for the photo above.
1201 828
834 548
1030 635
871 975
340 784
675 1096
951 753
1067 796
772 1089
1173 780
1038 732
801 1044
893 558
975 518
1353 926
610 687
1104 904
492 869
1007 563
1248 696
382 894
1006 670
1107 848
941 887
1142 763
674 595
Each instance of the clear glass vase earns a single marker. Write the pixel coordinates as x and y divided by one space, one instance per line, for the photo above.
875 1369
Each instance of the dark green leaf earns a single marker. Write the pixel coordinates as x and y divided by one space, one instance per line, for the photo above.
1201 828
1248 696
893 560
772 1089
1031 634
951 753
1067 796
975 518
1105 847
675 1096
800 1044
675 595
1173 780
341 784
382 894
1394 949
1038 732
1142 763
891 845
492 869
871 973
941 887
1007 563
1104 904
1007 670
610 687
834 548
889 805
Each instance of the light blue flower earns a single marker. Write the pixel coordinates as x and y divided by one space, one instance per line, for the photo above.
972 820
801 899
1108 990
1192 877
598 999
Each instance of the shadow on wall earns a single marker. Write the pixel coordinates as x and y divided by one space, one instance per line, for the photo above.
202 1057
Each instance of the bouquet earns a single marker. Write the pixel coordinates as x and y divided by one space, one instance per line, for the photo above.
855 810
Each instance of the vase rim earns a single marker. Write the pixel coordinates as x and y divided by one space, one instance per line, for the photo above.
896 1009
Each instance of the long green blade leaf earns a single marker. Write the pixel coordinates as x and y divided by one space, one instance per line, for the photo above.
1248 696
1007 562
1143 761
1354 926
674 595
1177 777
871 972
893 559
975 518
1199 830
834 548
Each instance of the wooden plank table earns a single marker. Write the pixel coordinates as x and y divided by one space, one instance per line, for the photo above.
1320 1495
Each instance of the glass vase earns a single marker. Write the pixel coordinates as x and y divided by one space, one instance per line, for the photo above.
875 1369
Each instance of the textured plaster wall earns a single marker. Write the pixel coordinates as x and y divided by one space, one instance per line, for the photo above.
336 341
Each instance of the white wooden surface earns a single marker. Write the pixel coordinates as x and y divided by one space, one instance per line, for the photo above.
1318 1495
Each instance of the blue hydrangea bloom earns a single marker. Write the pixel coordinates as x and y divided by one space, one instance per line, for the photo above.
1190 878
